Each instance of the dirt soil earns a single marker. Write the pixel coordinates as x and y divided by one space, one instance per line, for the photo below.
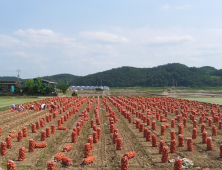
106 155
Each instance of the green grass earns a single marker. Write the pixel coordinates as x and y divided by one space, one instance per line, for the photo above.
9 101
213 100
161 88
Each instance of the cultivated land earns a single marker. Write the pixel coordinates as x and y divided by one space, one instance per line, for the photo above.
9 101
106 155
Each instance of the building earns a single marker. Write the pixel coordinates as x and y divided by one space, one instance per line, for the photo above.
9 84
47 82
88 87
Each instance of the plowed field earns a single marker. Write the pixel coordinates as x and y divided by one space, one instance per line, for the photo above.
106 110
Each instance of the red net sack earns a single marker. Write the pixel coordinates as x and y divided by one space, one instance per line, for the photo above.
67 148
21 154
130 154
41 145
88 160
67 161
59 157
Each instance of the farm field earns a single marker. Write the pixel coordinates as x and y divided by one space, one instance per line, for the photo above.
9 101
213 100
129 117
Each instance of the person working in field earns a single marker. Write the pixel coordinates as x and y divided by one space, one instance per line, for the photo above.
21 108
43 106
13 107
52 106
31 107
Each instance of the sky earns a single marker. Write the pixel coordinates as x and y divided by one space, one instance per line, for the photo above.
44 38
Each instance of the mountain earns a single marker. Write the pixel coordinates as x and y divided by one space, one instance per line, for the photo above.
56 78
172 74
8 78
61 77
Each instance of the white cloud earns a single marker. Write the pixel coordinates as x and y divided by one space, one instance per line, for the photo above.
182 7
43 37
7 41
103 50
172 39
169 7
166 6
20 54
104 37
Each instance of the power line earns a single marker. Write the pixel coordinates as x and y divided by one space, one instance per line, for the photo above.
18 73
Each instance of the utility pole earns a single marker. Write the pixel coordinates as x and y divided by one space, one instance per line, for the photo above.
18 74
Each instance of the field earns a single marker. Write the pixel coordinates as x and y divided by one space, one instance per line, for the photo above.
103 111
214 100
9 101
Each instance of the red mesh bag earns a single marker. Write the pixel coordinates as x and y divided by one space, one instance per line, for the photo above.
47 132
204 137
20 136
67 161
194 135
130 154
10 165
181 140
119 144
62 128
21 154
25 132
98 132
90 140
203 126
153 125
59 157
173 148
74 137
51 165
87 150
165 154
9 142
163 129
214 130
88 160
189 144
162 144
148 136
33 128
3 148
124 163
40 145
95 137
209 143
67 148
154 141
31 145
53 129
177 164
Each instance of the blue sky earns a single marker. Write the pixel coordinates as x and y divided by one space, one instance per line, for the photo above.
83 37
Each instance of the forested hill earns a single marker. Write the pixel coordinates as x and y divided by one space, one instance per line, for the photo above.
164 75
55 78
61 78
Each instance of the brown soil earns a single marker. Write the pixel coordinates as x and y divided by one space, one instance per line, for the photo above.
106 155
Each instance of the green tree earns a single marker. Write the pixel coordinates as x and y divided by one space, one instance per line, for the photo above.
42 89
63 87
29 85
37 86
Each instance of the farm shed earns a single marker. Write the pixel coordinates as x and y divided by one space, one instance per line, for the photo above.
8 84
